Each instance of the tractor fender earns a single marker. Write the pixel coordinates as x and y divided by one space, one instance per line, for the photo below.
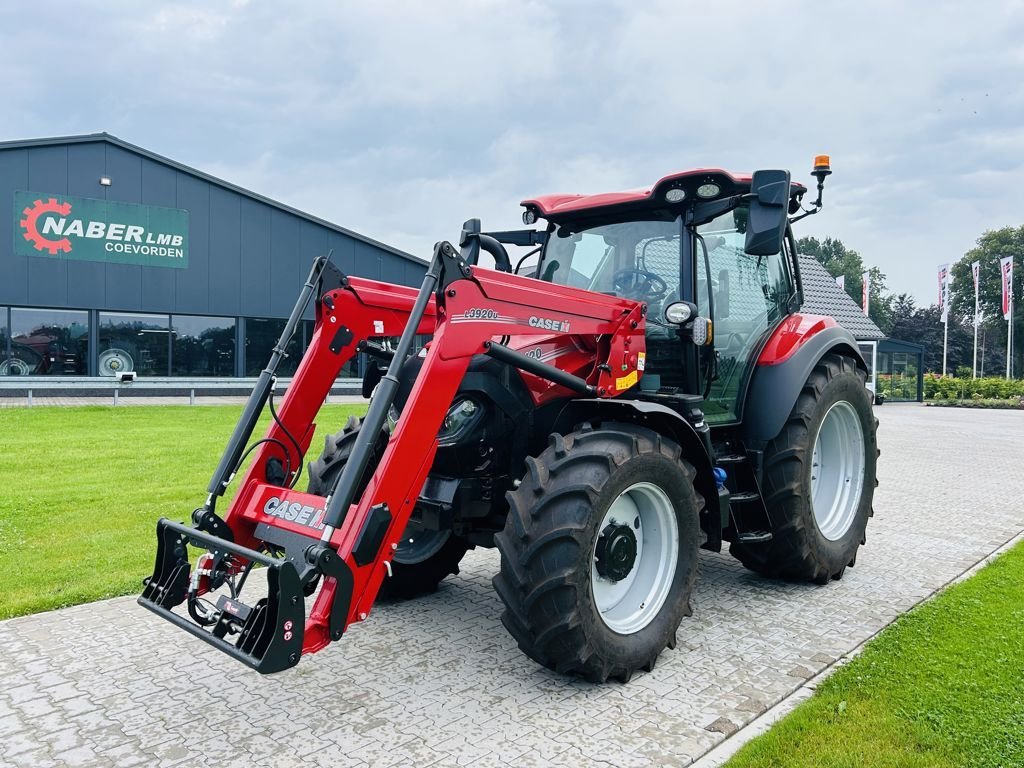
660 418
783 369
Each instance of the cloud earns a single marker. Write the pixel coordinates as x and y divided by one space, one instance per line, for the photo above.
401 120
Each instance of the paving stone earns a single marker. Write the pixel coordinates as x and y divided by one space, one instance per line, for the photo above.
438 682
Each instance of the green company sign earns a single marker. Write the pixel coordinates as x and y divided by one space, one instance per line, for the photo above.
84 229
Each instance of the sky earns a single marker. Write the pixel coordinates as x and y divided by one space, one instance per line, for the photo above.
401 120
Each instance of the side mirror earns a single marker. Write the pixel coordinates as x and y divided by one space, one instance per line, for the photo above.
769 206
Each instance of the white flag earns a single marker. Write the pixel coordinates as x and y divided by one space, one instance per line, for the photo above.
841 281
866 291
976 272
1006 275
944 293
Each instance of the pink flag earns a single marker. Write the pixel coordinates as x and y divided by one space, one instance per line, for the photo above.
866 291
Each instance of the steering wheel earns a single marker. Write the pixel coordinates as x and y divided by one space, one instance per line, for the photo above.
640 284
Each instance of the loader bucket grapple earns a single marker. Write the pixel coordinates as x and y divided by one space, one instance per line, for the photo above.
645 388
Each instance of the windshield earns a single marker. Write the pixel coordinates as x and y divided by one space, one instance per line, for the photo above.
636 259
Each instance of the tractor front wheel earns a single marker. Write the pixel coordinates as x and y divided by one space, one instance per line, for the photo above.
819 479
599 551
423 558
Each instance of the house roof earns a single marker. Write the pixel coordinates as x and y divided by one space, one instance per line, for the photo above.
822 296
109 139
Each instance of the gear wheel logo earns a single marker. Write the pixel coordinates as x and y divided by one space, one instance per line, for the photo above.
31 226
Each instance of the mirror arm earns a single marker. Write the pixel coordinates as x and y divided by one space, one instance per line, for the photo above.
702 213
817 204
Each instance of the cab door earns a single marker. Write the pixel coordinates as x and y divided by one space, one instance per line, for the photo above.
751 297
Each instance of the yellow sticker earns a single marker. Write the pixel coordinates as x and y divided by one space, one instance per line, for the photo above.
626 381
641 360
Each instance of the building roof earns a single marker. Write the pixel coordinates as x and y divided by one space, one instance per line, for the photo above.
109 139
823 296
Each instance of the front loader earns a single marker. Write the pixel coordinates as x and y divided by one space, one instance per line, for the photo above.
641 388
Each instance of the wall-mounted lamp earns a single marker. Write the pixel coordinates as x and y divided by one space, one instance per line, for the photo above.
105 181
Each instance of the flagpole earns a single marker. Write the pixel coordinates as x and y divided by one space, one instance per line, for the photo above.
945 343
1006 279
975 267
944 310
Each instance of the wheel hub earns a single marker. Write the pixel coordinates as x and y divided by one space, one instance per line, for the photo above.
616 551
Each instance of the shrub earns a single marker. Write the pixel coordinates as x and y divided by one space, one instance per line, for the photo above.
938 387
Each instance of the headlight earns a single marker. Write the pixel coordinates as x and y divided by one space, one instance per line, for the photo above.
458 420
392 418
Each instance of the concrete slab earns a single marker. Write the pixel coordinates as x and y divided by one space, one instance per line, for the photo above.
437 681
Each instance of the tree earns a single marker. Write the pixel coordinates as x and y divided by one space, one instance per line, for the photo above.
992 245
924 326
832 254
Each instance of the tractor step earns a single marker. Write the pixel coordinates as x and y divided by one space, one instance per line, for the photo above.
741 497
754 537
735 458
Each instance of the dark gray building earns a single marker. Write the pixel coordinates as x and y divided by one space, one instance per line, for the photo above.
113 258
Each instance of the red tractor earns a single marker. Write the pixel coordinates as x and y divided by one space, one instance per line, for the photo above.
638 386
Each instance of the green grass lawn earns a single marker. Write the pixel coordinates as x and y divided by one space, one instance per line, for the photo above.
81 490
943 686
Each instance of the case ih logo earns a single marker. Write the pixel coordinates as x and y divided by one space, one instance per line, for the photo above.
100 230
296 512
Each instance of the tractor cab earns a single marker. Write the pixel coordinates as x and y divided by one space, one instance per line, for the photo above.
711 255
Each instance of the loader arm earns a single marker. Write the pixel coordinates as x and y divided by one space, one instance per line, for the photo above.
344 543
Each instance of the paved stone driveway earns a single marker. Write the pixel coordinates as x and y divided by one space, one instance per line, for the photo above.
438 681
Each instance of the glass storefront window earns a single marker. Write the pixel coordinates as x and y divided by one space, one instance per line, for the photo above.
202 346
46 342
133 342
260 336
5 349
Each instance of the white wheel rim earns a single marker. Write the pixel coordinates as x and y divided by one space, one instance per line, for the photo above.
115 361
14 367
630 604
837 471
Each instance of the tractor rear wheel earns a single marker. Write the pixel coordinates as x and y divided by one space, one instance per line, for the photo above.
599 551
819 479
423 558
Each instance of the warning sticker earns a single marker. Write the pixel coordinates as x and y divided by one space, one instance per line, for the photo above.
626 381
641 360
378 326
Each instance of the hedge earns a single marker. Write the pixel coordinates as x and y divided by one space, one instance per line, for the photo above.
938 387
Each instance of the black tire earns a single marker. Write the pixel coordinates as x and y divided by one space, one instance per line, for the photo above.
408 579
798 550
549 542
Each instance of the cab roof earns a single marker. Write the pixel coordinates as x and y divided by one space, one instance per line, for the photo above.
563 205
